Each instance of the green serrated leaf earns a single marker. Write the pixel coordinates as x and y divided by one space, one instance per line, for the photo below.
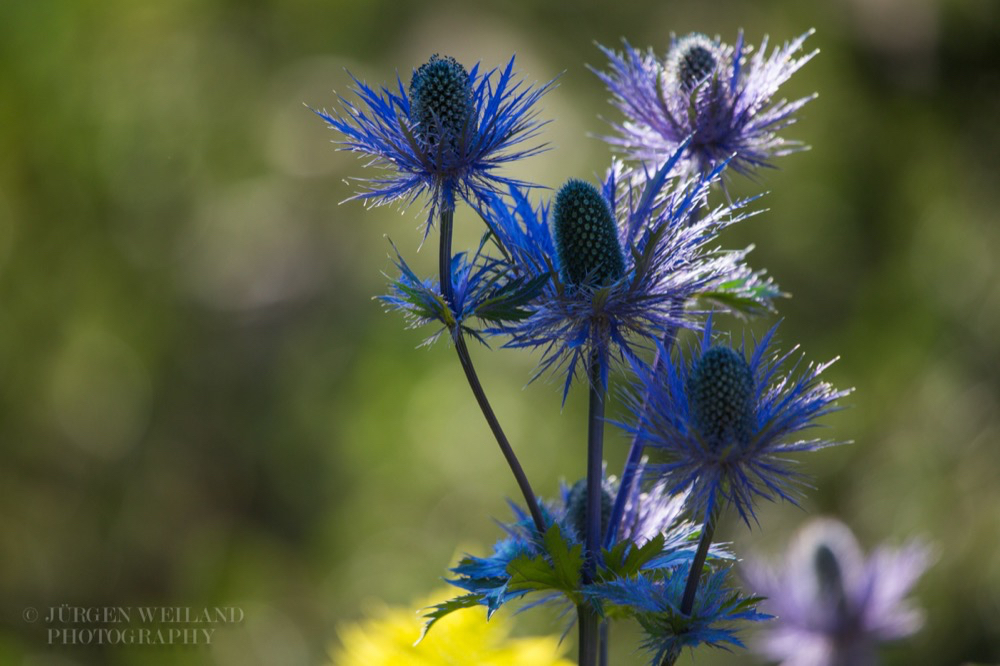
625 559
446 608
557 569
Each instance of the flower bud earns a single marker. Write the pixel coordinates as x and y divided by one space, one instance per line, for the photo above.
586 236
720 397
441 100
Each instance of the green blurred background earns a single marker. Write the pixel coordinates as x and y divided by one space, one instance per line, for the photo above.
202 405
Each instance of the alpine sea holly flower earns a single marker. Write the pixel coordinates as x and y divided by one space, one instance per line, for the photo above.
656 537
623 262
833 605
723 422
445 136
720 96
655 602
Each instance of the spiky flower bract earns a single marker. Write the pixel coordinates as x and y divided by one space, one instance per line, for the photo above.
721 97
834 605
483 288
725 439
445 136
666 235
386 638
654 601
655 537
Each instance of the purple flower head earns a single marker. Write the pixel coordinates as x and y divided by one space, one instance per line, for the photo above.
444 136
722 422
719 96
834 605
620 285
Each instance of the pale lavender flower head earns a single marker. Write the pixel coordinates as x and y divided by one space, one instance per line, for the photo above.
618 291
833 605
445 135
723 423
721 97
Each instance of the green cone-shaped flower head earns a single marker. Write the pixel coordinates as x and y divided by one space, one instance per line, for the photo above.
586 237
720 395
441 100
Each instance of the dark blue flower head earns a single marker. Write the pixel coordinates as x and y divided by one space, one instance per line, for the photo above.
441 102
625 263
586 236
722 421
720 394
719 96
446 136
834 605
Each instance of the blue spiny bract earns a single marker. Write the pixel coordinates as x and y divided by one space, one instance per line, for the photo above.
586 237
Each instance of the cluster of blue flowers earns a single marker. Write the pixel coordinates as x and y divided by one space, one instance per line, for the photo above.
603 276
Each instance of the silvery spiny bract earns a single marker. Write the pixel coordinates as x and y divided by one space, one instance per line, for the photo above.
719 97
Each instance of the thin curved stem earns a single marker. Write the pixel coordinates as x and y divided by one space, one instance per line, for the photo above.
694 575
448 293
498 433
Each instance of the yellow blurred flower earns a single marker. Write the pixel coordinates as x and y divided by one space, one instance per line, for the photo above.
387 636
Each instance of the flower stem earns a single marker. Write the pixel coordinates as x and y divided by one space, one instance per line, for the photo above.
589 629
444 256
589 635
605 626
498 433
447 292
635 450
694 575
595 464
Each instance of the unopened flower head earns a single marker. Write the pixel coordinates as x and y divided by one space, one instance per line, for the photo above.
586 236
441 103
721 97
834 605
444 136
625 260
722 420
